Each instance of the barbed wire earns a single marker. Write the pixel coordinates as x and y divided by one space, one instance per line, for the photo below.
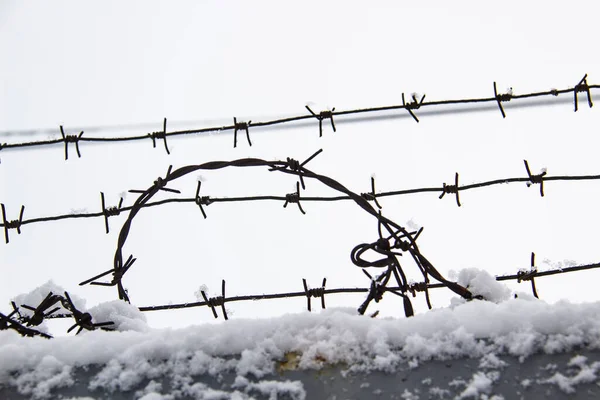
402 241
387 247
204 200
44 310
23 324
410 106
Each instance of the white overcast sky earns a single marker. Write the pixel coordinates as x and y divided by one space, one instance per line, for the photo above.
129 64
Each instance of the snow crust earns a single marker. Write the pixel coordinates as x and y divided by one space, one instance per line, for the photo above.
252 349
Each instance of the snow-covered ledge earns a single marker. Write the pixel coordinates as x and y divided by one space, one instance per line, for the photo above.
505 348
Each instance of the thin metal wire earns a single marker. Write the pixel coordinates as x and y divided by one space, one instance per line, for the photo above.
22 323
206 200
415 104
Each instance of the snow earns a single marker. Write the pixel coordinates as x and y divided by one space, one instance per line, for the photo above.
584 373
481 283
124 316
38 294
480 383
251 349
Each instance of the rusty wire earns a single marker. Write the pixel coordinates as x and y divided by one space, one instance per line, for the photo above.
46 310
411 106
401 240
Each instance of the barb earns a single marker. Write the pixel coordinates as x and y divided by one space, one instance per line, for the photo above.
218 301
371 196
327 114
502 97
535 179
294 198
454 189
15 224
581 87
240 126
415 104
317 292
70 139
291 166
160 135
200 201
529 276
109 212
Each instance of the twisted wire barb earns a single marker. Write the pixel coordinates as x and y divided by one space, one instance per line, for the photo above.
581 87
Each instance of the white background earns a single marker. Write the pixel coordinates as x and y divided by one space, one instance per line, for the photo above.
199 64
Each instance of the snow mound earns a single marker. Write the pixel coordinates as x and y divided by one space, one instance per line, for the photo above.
124 316
481 283
37 295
